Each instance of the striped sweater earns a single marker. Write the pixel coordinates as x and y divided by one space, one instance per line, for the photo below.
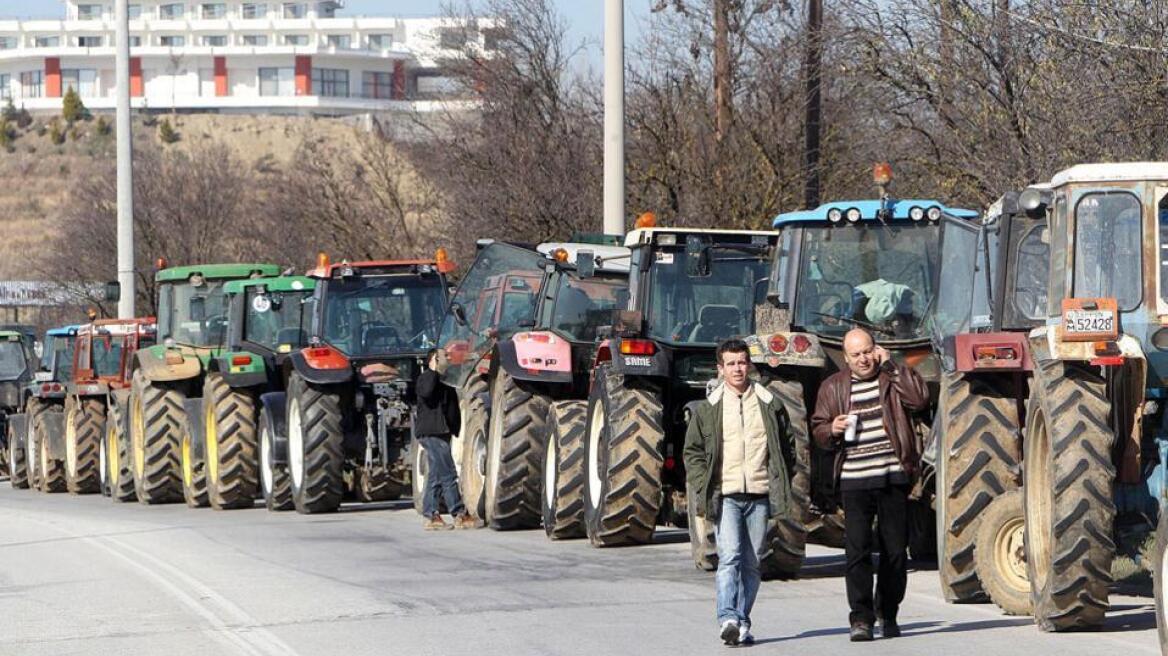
870 461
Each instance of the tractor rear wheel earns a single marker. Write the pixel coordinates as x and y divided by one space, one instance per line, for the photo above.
157 424
275 482
469 448
232 460
787 536
51 471
515 453
84 425
623 459
1001 554
703 545
564 471
117 450
1068 504
979 459
315 446
1159 572
17 460
194 474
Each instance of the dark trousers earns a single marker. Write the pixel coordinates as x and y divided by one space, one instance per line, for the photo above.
889 507
441 478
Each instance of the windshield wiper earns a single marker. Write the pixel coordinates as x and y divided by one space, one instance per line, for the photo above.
857 322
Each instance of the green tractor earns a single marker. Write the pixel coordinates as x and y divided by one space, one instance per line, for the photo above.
36 435
169 378
267 320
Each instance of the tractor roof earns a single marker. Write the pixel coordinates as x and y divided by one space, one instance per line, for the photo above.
10 335
612 258
1112 172
216 271
63 331
643 236
869 209
278 284
123 326
328 271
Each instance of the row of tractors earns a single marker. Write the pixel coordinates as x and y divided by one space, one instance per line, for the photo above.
1040 325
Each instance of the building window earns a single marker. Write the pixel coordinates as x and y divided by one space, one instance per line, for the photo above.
380 41
277 82
89 42
135 42
88 12
172 41
326 9
332 82
255 40
5 86
217 41
32 84
83 81
295 10
171 12
251 10
134 11
343 41
295 39
377 85
7 43
213 10
452 38
493 37
47 41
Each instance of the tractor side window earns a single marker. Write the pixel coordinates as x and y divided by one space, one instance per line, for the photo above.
955 284
11 359
1031 273
1058 265
1162 221
1107 248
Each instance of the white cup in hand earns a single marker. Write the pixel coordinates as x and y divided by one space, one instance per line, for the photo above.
850 431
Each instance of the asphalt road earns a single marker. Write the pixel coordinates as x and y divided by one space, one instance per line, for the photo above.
82 575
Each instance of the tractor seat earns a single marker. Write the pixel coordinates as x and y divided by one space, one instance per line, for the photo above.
293 336
381 336
716 322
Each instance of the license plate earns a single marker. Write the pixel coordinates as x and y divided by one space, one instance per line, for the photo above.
1089 321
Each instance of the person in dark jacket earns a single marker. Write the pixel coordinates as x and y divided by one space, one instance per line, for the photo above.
434 423
739 456
862 414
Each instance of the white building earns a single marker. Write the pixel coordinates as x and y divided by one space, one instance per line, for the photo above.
234 56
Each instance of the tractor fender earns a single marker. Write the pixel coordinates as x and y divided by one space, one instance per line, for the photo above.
153 365
18 423
639 365
274 404
526 356
319 376
194 412
252 374
602 354
810 355
55 430
1046 338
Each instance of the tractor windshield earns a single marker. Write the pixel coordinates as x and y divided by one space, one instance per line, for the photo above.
277 320
1108 260
380 315
193 316
107 355
871 275
57 357
705 309
12 363
584 304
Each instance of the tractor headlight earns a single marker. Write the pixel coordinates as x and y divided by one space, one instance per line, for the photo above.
934 213
853 215
916 213
835 215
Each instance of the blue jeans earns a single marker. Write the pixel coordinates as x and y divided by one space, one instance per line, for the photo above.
441 479
741 535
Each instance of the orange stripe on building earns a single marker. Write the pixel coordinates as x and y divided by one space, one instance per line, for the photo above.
221 76
303 75
52 77
136 88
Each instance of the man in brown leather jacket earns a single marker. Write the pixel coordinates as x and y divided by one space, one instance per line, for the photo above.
863 414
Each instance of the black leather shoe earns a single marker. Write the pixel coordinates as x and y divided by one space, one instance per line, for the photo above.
889 629
861 632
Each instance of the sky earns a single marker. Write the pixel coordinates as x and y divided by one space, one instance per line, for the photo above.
585 17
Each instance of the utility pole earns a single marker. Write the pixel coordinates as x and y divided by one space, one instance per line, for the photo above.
814 103
614 117
125 166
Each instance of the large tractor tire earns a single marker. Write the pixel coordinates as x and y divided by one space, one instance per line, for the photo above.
119 476
84 426
469 448
17 460
564 471
1068 504
157 424
703 545
1001 554
787 536
377 483
230 424
50 471
623 458
978 460
275 482
194 474
32 452
315 446
1159 572
515 453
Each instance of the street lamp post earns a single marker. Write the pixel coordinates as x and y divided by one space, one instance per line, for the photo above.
614 117
125 166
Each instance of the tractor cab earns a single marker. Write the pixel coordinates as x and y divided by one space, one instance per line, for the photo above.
56 364
267 320
104 352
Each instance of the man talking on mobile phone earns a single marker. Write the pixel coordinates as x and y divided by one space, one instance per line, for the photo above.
863 414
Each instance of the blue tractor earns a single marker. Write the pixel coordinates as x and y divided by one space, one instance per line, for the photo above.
36 432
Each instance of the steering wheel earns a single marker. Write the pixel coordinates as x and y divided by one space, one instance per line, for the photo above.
216 328
387 332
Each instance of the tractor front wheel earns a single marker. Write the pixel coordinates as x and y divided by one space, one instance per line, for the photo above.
315 446
50 471
469 448
564 471
274 479
117 450
1001 551
17 460
703 545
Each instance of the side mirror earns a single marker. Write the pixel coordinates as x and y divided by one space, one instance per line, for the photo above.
586 264
113 291
697 257
459 313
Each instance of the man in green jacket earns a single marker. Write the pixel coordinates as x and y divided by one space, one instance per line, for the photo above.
739 457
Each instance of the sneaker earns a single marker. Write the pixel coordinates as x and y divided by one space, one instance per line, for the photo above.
889 629
730 632
435 523
861 632
745 637
465 521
